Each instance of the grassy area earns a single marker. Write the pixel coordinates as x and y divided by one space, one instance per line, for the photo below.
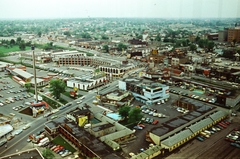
4 49
60 141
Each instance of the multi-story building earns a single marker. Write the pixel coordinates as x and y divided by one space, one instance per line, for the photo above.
99 141
145 90
234 34
222 35
86 82
117 70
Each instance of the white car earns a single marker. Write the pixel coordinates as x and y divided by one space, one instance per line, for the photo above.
155 114
26 127
18 131
66 154
78 102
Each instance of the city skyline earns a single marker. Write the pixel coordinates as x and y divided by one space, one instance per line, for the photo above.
43 9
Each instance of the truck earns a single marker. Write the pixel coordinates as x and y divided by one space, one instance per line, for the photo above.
43 141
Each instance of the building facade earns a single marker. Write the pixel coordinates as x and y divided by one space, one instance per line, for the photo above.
234 34
145 90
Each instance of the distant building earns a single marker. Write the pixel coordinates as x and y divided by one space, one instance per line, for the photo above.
234 34
222 35
137 43
145 90
117 70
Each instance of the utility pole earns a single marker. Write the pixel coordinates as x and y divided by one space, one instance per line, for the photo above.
34 70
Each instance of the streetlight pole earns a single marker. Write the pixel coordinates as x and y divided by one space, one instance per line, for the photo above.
34 71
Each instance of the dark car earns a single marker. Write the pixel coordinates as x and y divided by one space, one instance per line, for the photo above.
2 143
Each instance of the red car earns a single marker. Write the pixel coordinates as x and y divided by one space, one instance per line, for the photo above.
223 125
141 125
57 148
155 122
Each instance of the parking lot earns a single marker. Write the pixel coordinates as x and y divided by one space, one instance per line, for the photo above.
167 109
213 147
13 98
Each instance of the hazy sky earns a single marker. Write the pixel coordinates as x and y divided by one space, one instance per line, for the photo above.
24 9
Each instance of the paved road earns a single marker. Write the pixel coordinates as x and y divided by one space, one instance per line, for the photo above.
20 141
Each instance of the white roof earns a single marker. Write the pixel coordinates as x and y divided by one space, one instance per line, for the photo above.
22 73
5 129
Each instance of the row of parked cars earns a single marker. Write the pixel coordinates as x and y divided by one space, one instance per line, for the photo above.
234 136
18 107
150 120
15 98
59 149
218 127
209 100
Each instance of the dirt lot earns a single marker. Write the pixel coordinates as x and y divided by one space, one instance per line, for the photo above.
213 148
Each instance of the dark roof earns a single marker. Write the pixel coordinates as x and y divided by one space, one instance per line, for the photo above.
87 139
102 127
176 122
26 154
160 130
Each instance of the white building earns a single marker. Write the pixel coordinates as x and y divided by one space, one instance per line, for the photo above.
86 82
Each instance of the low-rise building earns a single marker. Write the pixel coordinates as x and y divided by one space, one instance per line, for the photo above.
87 82
145 90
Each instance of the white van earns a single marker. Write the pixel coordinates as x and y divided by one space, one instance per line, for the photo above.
43 141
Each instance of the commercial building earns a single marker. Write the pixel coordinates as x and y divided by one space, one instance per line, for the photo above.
234 34
178 131
116 70
222 35
87 82
145 90
100 140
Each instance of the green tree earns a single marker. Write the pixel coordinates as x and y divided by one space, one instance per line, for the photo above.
158 37
135 115
106 48
57 87
22 45
210 45
67 33
139 36
12 42
193 47
184 43
19 39
27 85
121 46
234 42
105 37
123 111
48 154
39 34
197 39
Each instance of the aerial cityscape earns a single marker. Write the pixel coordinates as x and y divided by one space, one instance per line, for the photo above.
119 79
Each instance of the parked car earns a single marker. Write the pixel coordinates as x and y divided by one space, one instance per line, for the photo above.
26 127
141 125
137 127
2 143
200 138
10 137
18 131
235 145
155 122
